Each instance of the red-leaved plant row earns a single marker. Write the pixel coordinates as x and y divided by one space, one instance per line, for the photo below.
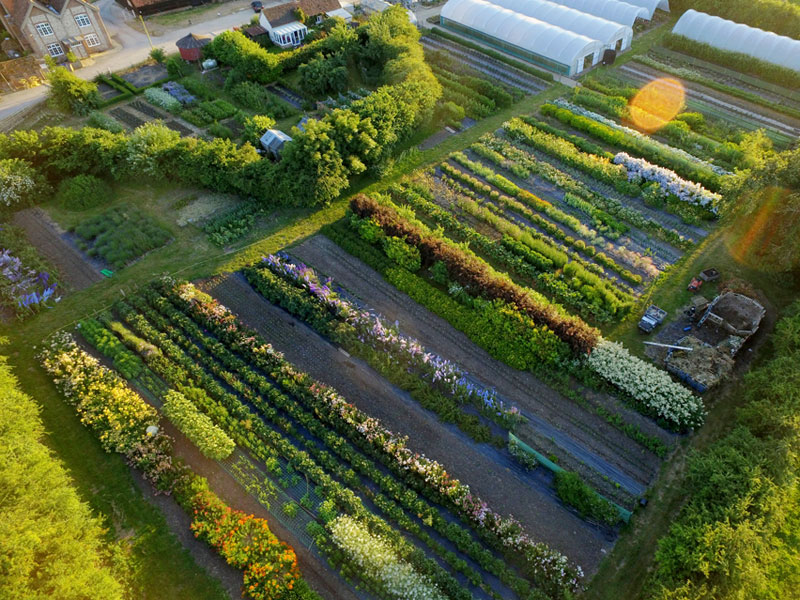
471 272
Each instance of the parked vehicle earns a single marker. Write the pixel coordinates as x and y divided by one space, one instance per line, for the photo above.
653 317
695 284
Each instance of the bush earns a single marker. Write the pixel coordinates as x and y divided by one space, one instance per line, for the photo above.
104 121
158 55
212 441
235 49
82 192
176 67
404 255
573 491
70 93
162 99
20 184
220 131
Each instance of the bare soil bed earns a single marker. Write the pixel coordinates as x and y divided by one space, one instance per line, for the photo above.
76 272
533 397
528 497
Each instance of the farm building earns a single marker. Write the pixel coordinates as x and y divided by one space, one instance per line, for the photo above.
611 10
736 37
650 5
191 46
612 35
540 43
283 23
273 141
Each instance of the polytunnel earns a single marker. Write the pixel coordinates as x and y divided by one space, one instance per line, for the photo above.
535 41
612 35
650 5
611 10
737 37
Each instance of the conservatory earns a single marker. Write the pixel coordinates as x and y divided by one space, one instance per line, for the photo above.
535 41
612 35
650 5
736 37
611 10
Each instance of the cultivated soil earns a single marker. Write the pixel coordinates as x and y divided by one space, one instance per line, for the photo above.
528 497
76 273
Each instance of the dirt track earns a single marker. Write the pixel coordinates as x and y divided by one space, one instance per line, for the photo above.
528 497
532 396
75 272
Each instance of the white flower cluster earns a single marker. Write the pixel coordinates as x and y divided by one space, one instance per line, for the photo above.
687 191
14 187
648 384
378 562
579 110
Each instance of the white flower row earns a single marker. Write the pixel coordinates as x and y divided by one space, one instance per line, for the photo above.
687 191
579 110
378 562
648 384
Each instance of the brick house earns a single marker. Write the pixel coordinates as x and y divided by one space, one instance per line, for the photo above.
55 27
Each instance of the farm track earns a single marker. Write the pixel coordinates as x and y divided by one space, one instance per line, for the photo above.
605 443
666 219
74 270
736 106
486 65
529 498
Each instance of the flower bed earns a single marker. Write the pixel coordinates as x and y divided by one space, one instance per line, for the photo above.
649 385
686 191
162 99
22 289
209 439
378 563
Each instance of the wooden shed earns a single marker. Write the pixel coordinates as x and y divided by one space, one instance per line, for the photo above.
191 46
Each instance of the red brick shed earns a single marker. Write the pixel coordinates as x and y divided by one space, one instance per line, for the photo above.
191 46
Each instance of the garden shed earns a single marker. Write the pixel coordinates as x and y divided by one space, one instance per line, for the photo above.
273 141
535 41
613 35
612 10
737 37
191 46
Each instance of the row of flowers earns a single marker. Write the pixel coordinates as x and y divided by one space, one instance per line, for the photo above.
377 562
381 336
640 170
24 289
647 384
584 112
540 561
212 441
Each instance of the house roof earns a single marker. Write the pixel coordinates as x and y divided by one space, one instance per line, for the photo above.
287 12
193 40
255 31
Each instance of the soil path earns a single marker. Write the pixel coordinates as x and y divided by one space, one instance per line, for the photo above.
76 273
529 498
521 388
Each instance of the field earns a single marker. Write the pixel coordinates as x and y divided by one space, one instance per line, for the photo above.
431 387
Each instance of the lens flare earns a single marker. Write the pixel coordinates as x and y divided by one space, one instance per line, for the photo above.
762 239
656 104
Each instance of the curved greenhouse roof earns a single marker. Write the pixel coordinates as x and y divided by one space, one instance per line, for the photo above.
607 32
532 36
612 10
650 5
736 37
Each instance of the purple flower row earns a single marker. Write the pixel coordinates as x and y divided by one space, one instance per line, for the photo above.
24 288
373 331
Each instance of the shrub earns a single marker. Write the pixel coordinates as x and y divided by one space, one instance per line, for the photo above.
573 491
20 183
82 192
158 55
212 441
70 93
220 131
235 49
176 67
162 99
104 121
404 255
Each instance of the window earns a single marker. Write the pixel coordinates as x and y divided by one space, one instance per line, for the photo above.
44 29
83 21
91 40
55 49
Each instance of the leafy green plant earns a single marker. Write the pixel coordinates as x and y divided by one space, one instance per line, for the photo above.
82 192
572 490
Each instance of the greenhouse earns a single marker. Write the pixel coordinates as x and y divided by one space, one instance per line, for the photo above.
650 5
736 37
611 10
535 41
612 35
